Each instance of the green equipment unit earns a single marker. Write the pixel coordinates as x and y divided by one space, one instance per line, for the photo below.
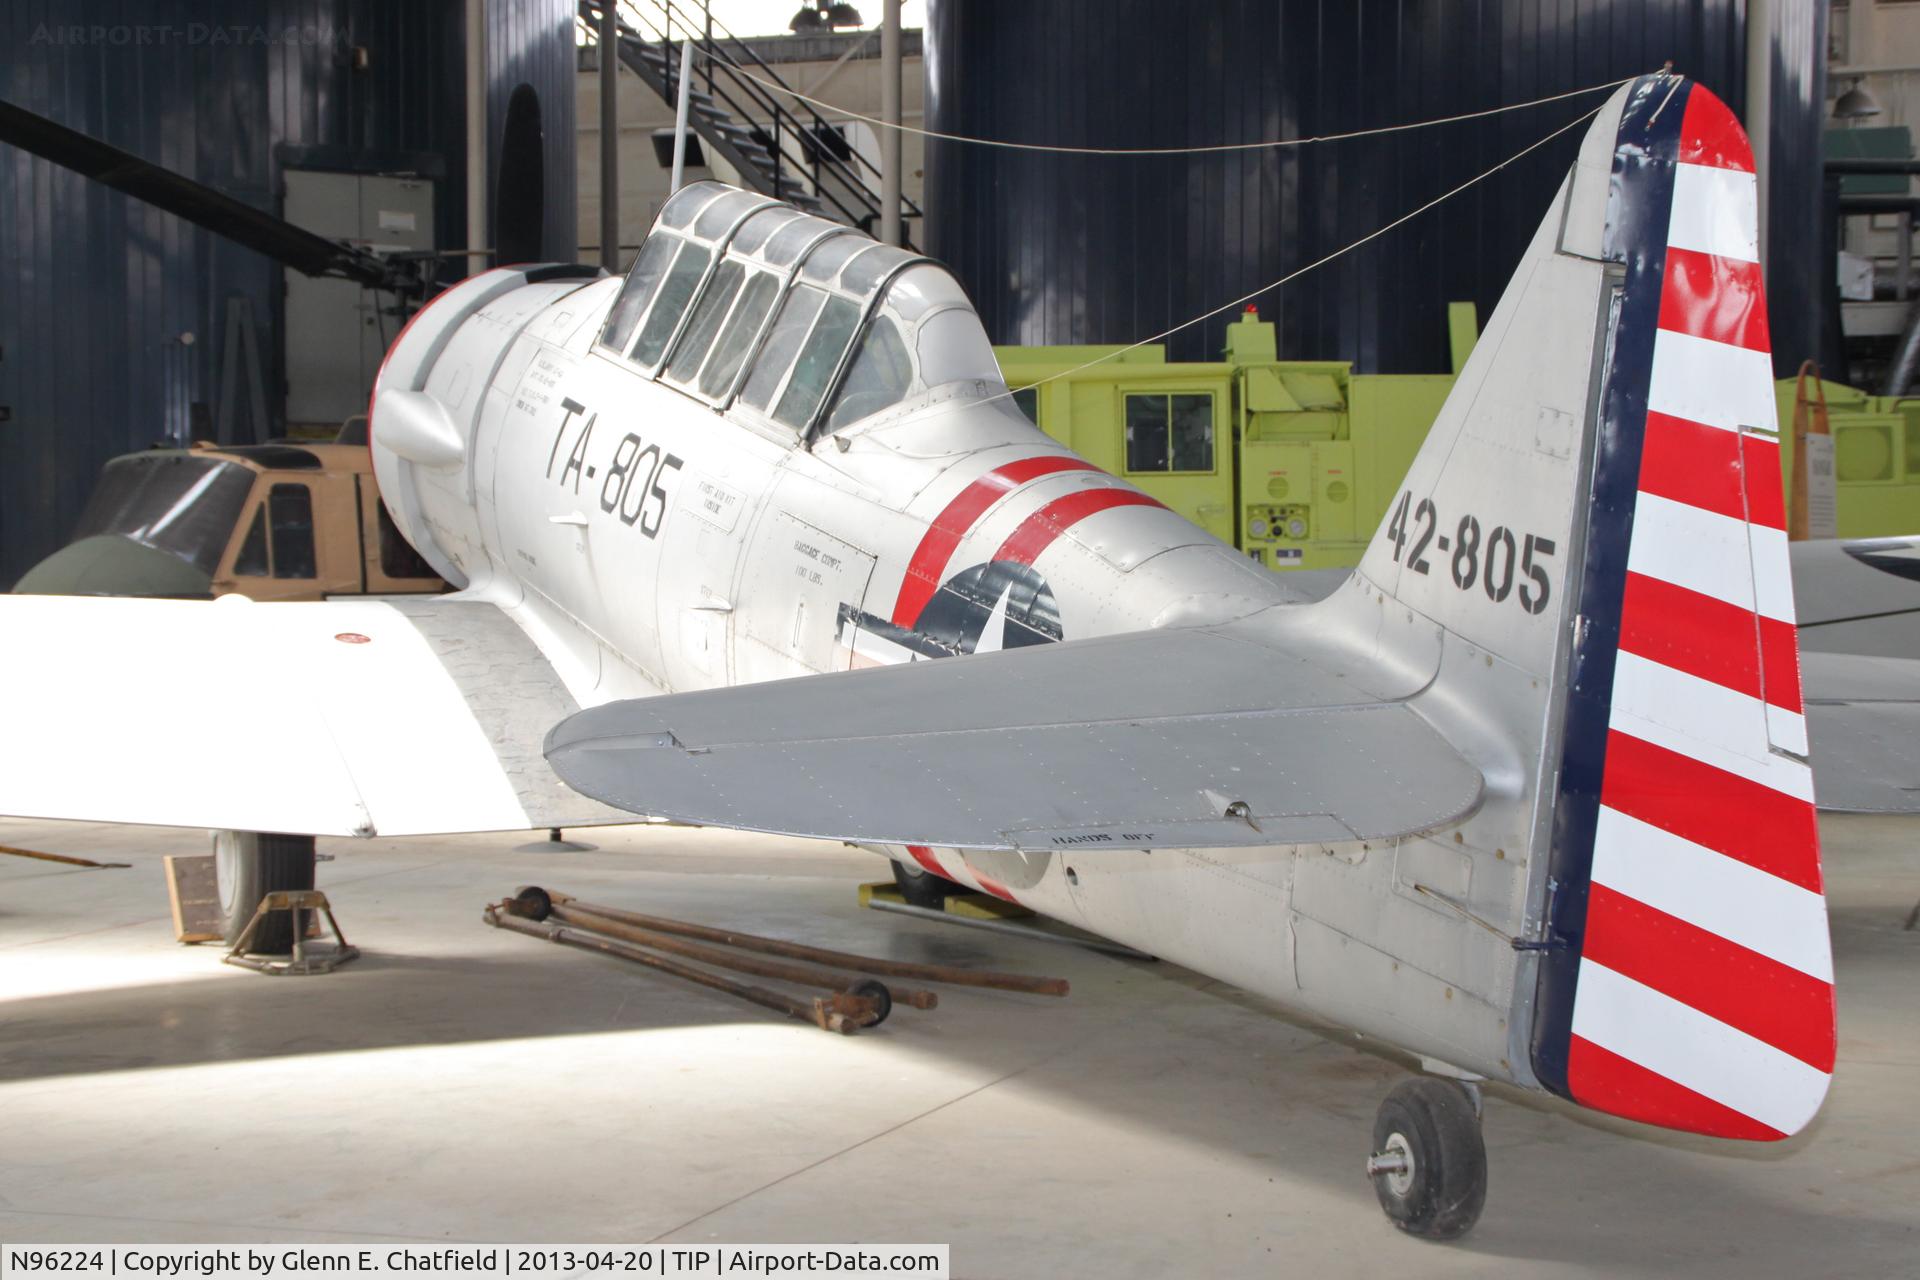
1296 461
1293 461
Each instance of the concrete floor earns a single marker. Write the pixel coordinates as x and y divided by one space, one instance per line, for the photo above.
463 1083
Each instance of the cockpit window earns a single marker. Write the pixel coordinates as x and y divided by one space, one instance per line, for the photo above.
175 502
754 231
791 240
818 359
643 279
706 322
730 352
804 321
717 218
783 343
825 262
864 274
687 201
878 378
682 279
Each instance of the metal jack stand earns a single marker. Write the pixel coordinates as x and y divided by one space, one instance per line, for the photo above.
299 963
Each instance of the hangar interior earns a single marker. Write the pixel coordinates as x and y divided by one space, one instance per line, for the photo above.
284 280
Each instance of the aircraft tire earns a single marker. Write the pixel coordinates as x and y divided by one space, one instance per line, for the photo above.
922 888
1431 1127
249 865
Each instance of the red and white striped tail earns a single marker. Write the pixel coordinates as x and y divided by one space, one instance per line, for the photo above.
1701 978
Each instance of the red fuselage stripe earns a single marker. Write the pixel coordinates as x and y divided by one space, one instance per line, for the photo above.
1733 647
1770 1001
929 561
1745 820
924 856
1039 530
991 885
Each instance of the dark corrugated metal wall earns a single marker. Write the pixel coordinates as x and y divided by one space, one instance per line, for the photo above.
1061 249
96 289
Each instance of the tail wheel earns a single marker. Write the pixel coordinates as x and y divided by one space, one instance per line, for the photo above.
922 888
250 865
1429 1166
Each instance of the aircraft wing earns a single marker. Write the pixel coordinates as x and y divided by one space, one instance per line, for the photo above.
1188 738
395 717
1863 718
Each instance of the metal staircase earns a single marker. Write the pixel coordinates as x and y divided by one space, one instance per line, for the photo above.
780 146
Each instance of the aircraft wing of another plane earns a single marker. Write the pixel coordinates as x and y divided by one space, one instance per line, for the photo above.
1185 738
1863 717
395 717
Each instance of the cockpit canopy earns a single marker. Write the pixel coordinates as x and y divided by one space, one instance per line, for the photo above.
750 304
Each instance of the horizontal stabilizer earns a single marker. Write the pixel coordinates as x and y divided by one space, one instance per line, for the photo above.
1182 738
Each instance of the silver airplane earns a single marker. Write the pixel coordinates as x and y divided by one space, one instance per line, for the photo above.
1527 797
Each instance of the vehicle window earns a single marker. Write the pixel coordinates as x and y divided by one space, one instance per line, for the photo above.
398 559
783 343
290 527
879 376
730 352
707 315
1192 433
818 359
677 290
1169 433
643 279
1027 400
252 560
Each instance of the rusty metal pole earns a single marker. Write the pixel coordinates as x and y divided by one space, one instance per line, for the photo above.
821 1013
1020 982
805 975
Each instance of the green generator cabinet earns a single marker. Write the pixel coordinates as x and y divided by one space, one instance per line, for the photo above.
1298 460
1167 427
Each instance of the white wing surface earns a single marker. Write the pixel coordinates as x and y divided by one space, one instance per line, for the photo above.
399 717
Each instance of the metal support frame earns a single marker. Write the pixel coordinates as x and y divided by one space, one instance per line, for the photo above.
610 138
299 964
890 148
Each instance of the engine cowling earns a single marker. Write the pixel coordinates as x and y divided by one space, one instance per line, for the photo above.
427 402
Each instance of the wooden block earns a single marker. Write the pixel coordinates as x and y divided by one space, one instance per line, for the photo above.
978 906
194 890
959 902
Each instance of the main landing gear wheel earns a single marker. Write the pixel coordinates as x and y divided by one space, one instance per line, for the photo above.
922 888
249 865
1429 1163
